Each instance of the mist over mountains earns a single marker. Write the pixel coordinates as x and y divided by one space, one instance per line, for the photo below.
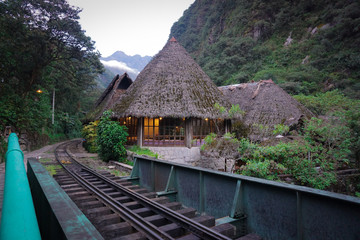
119 63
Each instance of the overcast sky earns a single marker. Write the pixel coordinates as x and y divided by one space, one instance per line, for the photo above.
132 26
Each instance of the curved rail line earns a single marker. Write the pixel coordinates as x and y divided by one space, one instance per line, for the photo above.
117 197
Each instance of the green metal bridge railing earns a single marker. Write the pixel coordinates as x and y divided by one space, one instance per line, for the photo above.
273 210
18 220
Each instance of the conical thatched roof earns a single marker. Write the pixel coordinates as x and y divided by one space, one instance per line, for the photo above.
171 85
265 105
112 93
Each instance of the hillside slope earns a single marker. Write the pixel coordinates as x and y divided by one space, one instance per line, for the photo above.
305 46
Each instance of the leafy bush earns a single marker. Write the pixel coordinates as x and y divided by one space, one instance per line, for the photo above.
342 125
280 129
208 140
266 169
89 134
308 165
111 139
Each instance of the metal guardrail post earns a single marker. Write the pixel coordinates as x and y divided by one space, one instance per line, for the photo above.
18 220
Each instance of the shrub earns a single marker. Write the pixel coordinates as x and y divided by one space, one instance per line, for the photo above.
281 129
310 165
341 130
111 139
89 134
266 169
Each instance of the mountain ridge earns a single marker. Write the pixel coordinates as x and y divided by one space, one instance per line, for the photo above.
304 46
119 63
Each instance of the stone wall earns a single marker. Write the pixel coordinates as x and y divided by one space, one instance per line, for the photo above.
182 155
190 156
215 163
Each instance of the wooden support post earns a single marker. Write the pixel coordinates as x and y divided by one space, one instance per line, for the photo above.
227 123
188 132
140 128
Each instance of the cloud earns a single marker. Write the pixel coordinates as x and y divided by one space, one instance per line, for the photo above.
119 65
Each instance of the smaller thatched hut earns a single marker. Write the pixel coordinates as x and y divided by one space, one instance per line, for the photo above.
265 105
112 93
172 101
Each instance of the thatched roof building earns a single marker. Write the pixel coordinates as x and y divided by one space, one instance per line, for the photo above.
171 101
112 93
171 85
265 105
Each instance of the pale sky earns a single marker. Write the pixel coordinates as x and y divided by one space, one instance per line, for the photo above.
132 26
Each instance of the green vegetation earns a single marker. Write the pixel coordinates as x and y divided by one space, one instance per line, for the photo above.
3 149
115 172
340 126
43 47
321 148
52 169
111 139
238 41
310 49
142 151
309 165
45 160
280 129
89 134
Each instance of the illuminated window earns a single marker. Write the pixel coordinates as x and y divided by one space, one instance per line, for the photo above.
164 132
131 124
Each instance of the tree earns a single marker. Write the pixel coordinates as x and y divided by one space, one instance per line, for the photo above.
111 138
42 46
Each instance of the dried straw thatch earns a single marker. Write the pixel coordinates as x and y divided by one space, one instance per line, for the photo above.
112 93
171 85
265 105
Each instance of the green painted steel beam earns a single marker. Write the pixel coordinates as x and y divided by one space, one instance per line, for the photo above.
237 208
18 214
273 210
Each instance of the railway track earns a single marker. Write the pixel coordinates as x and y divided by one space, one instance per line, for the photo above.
120 210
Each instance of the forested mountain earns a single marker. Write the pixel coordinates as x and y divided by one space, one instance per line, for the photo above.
135 62
305 46
119 63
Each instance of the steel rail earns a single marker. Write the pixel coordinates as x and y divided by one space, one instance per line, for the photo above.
196 228
148 229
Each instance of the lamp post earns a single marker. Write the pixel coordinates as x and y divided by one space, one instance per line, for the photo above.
53 107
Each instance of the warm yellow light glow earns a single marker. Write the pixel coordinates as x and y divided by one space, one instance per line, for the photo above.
160 118
151 127
129 118
206 119
125 123
183 119
39 91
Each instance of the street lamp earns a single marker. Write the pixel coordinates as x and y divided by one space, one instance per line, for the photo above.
53 104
